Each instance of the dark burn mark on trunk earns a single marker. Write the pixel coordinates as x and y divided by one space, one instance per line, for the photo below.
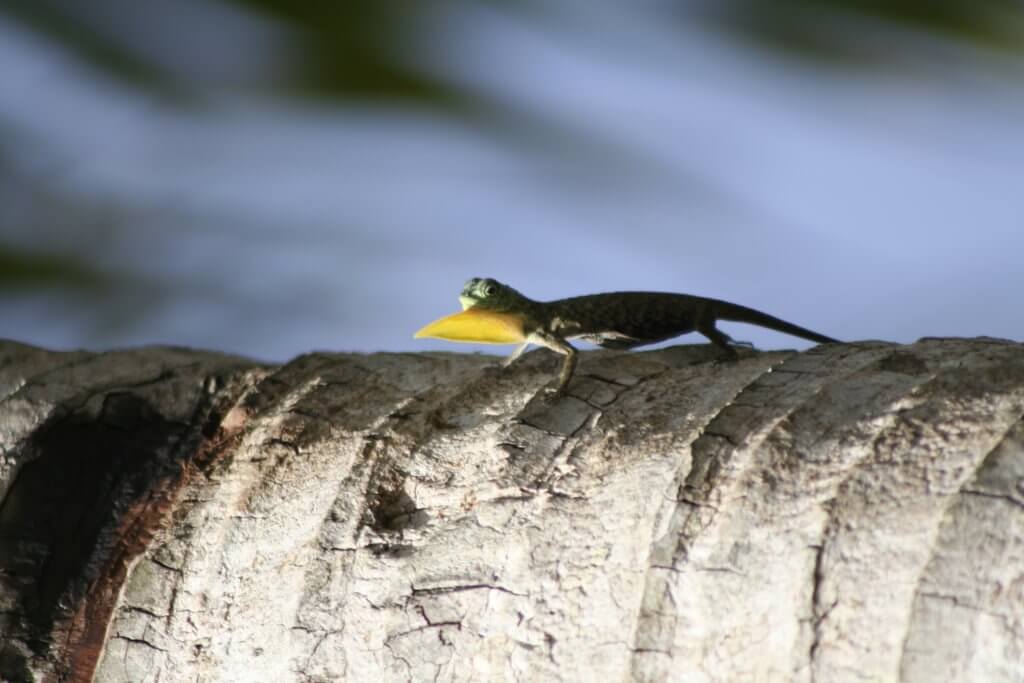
89 500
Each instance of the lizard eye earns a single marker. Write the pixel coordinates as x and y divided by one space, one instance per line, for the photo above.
490 290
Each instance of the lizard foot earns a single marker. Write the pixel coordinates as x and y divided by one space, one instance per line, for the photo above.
726 357
550 395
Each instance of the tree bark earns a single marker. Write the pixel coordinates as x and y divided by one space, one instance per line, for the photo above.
855 512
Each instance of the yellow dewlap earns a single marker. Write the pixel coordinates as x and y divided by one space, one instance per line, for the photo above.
476 325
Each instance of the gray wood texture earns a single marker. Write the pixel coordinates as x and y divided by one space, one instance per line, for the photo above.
851 513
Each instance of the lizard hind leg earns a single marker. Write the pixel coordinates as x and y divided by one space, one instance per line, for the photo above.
706 326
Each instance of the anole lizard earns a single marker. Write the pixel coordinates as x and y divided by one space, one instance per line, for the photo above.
497 314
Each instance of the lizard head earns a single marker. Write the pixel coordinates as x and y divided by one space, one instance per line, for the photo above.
490 294
492 314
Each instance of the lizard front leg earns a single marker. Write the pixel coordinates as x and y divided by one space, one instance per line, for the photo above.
515 354
556 343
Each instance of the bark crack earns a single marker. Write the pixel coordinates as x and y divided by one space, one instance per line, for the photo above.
138 641
440 590
1008 623
995 496
819 612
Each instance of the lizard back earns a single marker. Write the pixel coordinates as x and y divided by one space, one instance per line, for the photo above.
623 320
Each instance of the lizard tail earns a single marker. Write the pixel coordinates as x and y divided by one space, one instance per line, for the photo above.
741 314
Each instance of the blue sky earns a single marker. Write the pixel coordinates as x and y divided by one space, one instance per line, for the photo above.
879 203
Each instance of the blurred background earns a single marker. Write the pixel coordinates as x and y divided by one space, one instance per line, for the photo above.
270 178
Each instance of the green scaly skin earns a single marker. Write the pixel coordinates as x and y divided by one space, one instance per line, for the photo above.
619 320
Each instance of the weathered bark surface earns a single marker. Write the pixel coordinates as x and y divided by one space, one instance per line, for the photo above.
851 513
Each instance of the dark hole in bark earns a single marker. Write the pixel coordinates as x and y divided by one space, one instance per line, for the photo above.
85 472
393 510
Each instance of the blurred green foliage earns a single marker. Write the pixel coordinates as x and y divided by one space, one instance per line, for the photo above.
368 49
842 30
25 269
354 49
89 45
987 22
361 48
